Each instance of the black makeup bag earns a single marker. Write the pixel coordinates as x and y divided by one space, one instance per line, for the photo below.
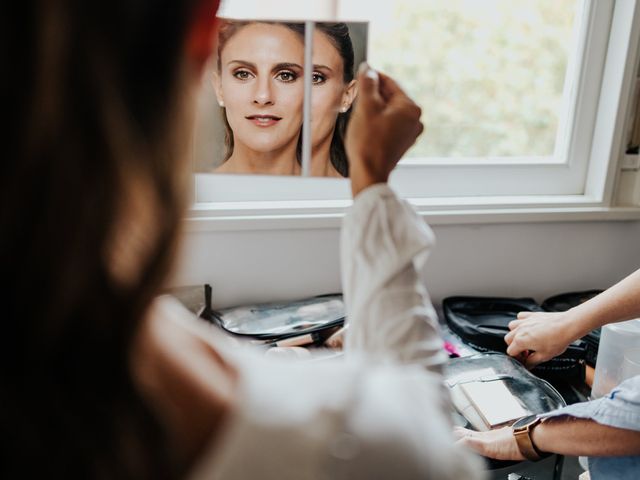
482 323
566 301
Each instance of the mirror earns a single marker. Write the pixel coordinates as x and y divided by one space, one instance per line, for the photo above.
250 108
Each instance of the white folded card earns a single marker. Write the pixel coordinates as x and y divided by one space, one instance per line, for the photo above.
494 402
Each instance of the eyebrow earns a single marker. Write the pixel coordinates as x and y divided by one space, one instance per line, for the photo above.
322 67
281 66
276 67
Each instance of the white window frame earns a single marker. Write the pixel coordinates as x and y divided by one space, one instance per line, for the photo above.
483 191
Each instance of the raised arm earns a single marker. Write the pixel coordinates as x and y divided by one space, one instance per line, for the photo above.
384 243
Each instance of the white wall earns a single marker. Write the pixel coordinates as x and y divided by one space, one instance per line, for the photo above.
535 259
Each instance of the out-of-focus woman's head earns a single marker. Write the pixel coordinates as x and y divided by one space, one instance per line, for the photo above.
92 189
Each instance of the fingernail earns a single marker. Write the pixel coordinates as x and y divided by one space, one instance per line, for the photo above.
363 68
372 74
366 70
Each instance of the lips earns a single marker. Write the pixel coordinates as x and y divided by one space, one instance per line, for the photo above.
263 120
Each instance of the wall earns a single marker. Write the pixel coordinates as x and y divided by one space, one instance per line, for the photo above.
534 259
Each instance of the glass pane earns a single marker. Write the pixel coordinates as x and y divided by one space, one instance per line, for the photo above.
490 74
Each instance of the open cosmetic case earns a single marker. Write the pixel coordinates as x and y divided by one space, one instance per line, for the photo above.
519 388
315 318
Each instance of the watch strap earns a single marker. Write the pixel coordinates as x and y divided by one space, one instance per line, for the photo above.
525 443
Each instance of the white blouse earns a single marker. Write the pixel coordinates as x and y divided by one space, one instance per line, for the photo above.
379 412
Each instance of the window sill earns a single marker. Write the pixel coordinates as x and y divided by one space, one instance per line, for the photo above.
328 214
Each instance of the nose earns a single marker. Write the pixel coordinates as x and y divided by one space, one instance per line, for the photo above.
263 94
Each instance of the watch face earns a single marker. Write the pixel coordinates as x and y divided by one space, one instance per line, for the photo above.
524 421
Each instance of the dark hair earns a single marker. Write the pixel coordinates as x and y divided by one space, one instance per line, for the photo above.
92 96
338 34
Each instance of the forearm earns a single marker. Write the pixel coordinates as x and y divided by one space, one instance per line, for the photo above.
616 304
580 437
390 315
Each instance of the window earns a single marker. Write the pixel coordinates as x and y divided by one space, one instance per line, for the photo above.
492 75
524 104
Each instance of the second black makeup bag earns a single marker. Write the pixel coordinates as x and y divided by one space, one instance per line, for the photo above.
482 323
565 301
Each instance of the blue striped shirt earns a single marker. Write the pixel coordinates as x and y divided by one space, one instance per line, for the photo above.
620 409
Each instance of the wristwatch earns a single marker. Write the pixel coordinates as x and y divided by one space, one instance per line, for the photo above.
522 432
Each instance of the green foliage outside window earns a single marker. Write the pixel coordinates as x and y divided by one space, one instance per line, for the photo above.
489 74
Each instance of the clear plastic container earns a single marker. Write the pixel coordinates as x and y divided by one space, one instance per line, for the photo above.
616 341
631 363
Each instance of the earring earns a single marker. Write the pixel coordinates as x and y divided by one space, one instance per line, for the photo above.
221 103
344 109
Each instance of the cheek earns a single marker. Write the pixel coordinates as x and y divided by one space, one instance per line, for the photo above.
234 106
233 95
325 104
291 98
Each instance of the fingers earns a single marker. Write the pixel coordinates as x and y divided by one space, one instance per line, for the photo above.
515 348
461 432
288 352
336 340
522 351
469 439
520 318
508 338
513 339
519 351
465 438
533 360
513 324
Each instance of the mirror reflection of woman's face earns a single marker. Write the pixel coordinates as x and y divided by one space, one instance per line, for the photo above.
261 85
330 93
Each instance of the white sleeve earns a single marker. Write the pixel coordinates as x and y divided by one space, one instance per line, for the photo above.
376 414
384 244
335 421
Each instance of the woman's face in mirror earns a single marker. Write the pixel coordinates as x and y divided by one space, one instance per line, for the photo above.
260 83
258 78
331 94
